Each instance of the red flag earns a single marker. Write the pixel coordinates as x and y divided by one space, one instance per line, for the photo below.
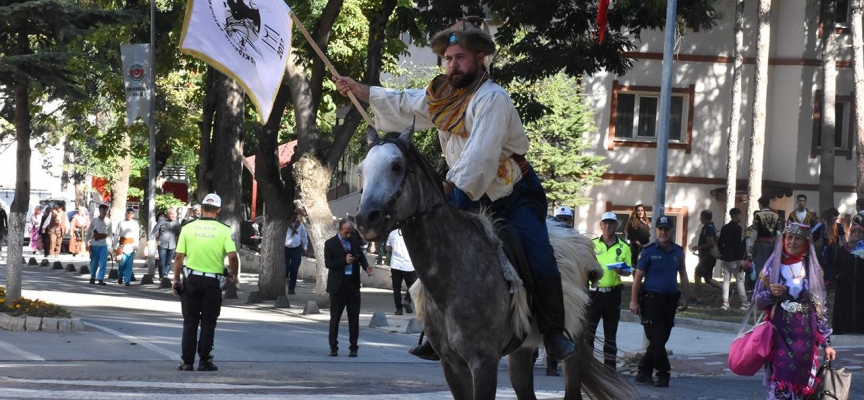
602 7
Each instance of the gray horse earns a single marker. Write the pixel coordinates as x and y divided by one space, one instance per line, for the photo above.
472 314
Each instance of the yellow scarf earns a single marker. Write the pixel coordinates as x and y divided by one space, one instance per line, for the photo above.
447 104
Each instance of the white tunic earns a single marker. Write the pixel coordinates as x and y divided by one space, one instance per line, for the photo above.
479 164
399 259
128 229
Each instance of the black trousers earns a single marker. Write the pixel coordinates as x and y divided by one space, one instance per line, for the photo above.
658 318
397 275
46 243
348 297
202 304
605 305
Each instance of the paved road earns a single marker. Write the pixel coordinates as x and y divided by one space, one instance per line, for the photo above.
131 345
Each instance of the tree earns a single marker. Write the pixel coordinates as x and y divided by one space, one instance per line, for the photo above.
829 92
558 137
735 113
855 28
760 96
36 41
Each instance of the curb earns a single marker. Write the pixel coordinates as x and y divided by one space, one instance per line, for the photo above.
31 324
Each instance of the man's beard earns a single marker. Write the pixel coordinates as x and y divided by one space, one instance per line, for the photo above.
464 80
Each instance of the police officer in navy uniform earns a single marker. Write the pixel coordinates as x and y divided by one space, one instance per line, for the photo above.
657 300
203 245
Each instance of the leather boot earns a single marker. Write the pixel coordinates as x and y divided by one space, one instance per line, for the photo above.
424 351
550 302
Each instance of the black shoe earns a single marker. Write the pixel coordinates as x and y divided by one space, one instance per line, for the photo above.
408 307
352 353
291 292
184 367
207 366
398 311
92 280
424 351
102 283
334 352
552 370
120 281
128 284
135 279
662 382
646 379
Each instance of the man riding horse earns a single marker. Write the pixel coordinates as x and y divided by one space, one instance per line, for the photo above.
484 143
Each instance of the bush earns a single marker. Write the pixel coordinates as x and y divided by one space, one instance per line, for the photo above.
31 308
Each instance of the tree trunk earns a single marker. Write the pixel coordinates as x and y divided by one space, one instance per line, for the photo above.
208 109
277 190
120 187
21 203
81 198
735 114
829 93
226 161
757 138
314 178
858 77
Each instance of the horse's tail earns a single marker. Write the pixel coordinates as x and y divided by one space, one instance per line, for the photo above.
418 296
597 380
576 260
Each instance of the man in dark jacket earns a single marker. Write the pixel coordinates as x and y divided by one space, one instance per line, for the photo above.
732 253
343 257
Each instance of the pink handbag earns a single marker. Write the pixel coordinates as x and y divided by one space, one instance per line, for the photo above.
750 351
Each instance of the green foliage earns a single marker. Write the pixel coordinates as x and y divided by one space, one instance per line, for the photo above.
558 138
165 201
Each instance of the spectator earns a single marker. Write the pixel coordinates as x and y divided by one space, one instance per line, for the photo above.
732 254
343 257
849 298
766 227
638 231
828 237
859 212
401 269
35 229
565 215
166 233
657 301
296 242
4 224
613 255
707 241
802 215
78 225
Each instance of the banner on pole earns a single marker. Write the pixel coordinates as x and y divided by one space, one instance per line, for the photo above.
247 40
136 78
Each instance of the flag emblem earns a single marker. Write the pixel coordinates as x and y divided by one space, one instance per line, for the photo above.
137 71
245 39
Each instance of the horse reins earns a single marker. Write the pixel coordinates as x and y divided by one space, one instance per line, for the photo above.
392 201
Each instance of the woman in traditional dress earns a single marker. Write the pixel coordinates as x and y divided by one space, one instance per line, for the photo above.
848 313
791 291
829 237
638 232
36 229
78 225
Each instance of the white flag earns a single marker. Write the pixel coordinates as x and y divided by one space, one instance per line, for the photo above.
136 78
245 39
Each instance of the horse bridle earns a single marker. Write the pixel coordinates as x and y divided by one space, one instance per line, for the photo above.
388 207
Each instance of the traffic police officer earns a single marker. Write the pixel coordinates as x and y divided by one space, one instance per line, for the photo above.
613 255
203 245
659 263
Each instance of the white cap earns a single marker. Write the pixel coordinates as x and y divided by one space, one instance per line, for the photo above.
563 210
212 199
608 216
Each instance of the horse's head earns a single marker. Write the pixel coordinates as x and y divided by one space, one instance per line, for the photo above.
389 198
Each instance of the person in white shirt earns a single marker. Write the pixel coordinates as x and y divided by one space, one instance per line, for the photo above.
126 235
97 238
296 242
401 268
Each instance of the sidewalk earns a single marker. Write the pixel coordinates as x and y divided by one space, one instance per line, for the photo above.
697 347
